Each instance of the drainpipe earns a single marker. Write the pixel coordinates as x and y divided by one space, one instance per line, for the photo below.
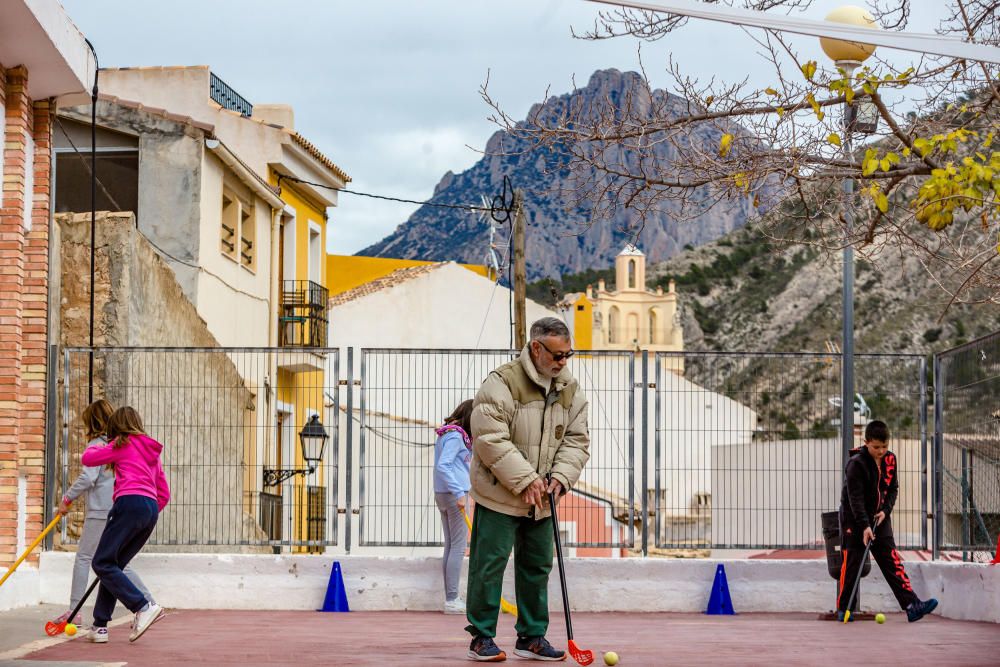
273 306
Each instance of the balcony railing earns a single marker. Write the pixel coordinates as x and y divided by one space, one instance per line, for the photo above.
302 320
220 91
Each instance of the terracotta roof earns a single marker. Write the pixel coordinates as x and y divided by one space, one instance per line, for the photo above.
157 111
316 153
397 277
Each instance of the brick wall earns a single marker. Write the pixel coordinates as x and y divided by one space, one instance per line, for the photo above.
23 308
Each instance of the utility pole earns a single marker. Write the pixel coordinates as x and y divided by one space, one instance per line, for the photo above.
520 274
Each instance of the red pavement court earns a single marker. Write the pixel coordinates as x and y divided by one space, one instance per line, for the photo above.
299 638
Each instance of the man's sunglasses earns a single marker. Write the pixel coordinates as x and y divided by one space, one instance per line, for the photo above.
556 356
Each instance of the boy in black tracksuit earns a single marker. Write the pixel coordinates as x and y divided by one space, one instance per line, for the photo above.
867 499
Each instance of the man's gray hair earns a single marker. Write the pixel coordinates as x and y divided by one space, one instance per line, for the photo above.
549 326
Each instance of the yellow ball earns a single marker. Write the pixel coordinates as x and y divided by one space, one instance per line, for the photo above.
70 629
880 618
610 658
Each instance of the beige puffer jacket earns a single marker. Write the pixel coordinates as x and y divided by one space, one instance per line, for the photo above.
520 435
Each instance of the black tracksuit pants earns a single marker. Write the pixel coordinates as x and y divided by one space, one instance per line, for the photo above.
886 557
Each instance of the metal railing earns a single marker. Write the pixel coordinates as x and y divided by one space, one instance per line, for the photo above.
221 93
302 320
967 448
692 451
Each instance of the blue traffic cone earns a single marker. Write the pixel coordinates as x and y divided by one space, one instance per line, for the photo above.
336 594
720 603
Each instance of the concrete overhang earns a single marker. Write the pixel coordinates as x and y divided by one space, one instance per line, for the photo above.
297 162
300 361
39 35
251 179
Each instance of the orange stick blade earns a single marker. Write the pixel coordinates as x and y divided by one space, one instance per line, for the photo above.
582 656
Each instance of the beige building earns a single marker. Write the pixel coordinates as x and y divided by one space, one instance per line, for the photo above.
630 317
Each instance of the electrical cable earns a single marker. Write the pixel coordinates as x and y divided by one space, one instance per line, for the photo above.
499 209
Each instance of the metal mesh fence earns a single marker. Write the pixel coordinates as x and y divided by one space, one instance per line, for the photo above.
748 452
229 420
406 394
967 448
717 450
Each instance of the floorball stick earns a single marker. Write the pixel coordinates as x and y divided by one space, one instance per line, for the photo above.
38 540
52 628
854 591
582 656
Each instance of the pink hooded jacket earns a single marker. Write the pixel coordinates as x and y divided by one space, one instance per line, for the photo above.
138 470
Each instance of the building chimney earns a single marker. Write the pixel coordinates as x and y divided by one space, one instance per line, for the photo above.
275 114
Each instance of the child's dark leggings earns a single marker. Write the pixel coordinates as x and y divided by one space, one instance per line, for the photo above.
886 556
130 523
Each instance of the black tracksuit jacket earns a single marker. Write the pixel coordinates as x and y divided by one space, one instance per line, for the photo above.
867 490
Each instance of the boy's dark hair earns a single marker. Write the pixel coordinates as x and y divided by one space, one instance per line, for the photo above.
877 430
462 416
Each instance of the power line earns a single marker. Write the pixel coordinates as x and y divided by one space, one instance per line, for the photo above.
499 209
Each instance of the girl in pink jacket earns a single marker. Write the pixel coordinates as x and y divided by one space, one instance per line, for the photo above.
141 493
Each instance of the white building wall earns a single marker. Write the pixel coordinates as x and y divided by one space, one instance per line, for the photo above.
444 309
233 300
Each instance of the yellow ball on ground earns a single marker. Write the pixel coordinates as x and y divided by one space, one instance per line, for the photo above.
70 629
610 658
880 618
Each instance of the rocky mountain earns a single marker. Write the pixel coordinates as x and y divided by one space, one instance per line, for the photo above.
558 239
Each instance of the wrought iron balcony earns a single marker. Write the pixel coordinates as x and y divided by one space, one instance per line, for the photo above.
302 320
220 91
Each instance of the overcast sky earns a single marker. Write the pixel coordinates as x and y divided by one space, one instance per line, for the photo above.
388 89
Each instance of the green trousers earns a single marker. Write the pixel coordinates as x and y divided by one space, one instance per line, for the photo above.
493 536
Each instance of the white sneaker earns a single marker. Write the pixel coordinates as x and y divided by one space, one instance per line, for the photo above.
144 619
97 635
456 606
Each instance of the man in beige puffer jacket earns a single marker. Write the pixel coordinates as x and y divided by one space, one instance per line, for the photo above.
530 437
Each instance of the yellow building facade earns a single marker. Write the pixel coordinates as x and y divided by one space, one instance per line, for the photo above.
345 272
301 389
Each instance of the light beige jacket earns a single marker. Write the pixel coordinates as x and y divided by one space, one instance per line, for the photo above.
520 434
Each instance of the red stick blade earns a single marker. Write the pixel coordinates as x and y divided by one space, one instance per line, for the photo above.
52 628
582 656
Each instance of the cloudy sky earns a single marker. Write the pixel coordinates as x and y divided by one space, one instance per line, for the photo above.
389 88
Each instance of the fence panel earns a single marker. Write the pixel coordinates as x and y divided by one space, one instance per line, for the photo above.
229 420
967 448
405 394
748 451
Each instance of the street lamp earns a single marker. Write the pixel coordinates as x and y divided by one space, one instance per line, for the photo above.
848 56
312 439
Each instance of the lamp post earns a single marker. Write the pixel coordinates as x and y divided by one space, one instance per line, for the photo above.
312 440
848 56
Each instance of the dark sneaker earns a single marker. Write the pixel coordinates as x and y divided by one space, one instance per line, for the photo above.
918 610
840 617
537 648
482 649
